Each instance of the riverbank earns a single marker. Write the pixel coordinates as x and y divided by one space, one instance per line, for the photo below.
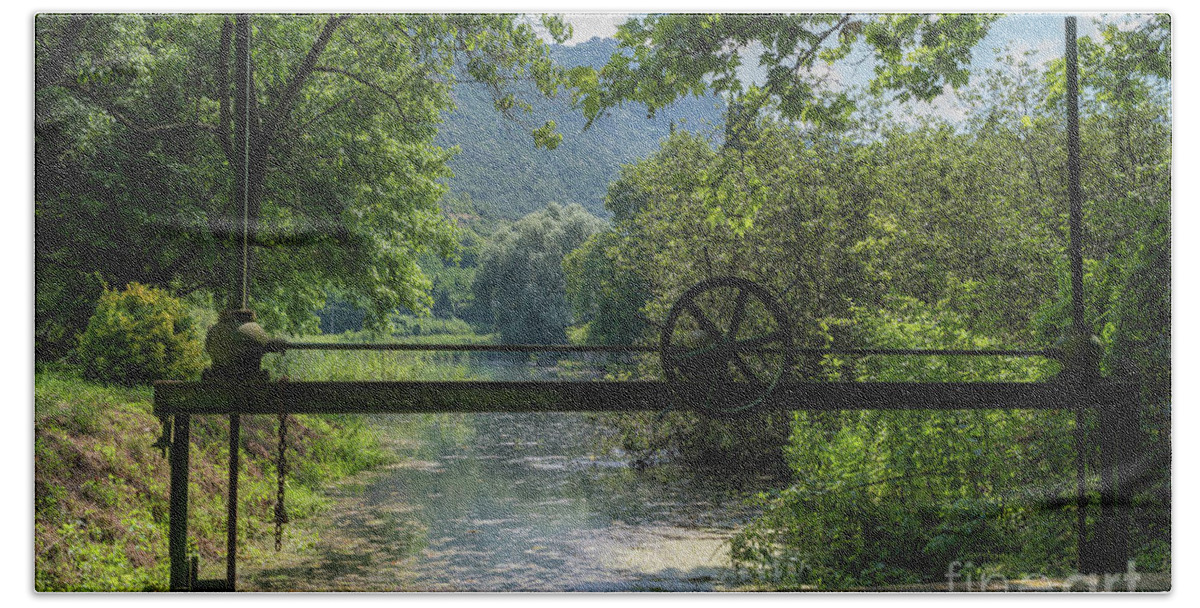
101 488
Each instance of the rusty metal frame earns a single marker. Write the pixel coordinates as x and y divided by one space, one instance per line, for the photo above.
1078 388
1114 402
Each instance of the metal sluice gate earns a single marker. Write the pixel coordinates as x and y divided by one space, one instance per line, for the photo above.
727 350
230 391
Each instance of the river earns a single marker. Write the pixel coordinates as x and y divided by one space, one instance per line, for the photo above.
512 502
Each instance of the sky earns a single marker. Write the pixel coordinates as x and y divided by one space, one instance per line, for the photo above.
1041 33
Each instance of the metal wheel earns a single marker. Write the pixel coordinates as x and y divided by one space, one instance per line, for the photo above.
726 346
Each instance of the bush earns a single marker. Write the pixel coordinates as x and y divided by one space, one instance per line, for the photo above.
140 335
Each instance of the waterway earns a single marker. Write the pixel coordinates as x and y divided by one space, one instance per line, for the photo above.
513 502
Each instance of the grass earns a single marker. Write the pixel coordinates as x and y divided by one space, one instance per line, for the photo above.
315 365
101 489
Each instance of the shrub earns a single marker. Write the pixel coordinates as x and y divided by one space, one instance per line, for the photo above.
140 335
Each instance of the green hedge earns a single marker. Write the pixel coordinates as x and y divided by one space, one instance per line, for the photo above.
140 335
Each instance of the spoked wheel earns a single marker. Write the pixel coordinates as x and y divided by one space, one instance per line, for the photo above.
726 346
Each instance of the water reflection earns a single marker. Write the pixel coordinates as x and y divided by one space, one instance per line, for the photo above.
518 502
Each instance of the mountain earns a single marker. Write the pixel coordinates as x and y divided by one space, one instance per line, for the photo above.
504 174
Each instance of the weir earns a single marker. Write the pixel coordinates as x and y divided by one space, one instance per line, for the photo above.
1103 547
705 369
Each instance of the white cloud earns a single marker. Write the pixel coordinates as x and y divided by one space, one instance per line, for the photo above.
591 25
584 26
946 106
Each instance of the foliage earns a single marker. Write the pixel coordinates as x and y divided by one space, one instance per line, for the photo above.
451 278
799 242
408 325
908 233
520 284
64 301
321 365
673 56
139 335
669 57
604 301
134 110
886 497
100 487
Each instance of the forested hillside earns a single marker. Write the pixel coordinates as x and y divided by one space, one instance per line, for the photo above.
499 168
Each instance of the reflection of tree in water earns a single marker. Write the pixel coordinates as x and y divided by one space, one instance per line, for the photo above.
524 502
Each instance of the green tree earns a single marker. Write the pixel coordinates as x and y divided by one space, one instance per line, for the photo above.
606 300
662 58
666 57
926 234
520 284
885 497
140 150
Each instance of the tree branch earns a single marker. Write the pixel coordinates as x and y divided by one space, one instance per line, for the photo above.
367 83
288 96
808 55
129 123
326 112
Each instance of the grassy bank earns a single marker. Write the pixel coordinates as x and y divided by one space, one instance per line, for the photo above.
101 489
317 365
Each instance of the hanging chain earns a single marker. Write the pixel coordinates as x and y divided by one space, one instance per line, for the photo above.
281 473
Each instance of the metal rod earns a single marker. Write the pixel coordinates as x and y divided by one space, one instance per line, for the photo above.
246 178
177 535
1074 195
501 348
239 282
1108 553
574 348
1081 542
235 430
222 398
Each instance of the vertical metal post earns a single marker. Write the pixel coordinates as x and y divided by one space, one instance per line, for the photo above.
1111 542
235 429
1081 368
1081 504
177 536
1075 212
1074 195
1108 548
242 110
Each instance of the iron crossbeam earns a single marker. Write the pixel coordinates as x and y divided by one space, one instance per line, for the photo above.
620 348
1106 551
630 396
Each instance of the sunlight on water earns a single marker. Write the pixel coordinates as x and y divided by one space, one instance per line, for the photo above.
514 502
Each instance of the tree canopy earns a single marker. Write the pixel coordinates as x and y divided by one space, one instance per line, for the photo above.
926 234
140 151
671 56
520 286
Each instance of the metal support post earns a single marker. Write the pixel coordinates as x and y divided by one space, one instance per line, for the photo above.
177 539
235 427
